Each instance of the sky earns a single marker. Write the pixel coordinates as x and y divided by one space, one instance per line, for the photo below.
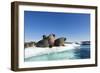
73 26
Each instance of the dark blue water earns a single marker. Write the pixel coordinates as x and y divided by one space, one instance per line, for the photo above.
82 53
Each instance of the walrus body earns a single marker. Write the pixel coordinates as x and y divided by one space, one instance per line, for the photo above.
51 40
43 42
29 44
60 41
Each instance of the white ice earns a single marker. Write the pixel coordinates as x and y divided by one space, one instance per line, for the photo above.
35 51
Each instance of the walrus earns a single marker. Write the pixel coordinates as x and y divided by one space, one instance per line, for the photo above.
29 44
60 41
43 42
51 40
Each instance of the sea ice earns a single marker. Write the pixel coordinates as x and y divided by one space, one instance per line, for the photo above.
35 51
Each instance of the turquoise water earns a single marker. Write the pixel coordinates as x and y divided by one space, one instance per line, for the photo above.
82 53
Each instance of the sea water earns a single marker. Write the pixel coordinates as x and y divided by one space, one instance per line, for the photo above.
78 53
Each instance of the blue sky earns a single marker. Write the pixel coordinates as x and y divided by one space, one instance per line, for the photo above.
73 26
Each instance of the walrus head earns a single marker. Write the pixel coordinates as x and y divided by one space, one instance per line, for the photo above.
64 39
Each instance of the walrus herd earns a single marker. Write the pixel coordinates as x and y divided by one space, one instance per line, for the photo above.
47 41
